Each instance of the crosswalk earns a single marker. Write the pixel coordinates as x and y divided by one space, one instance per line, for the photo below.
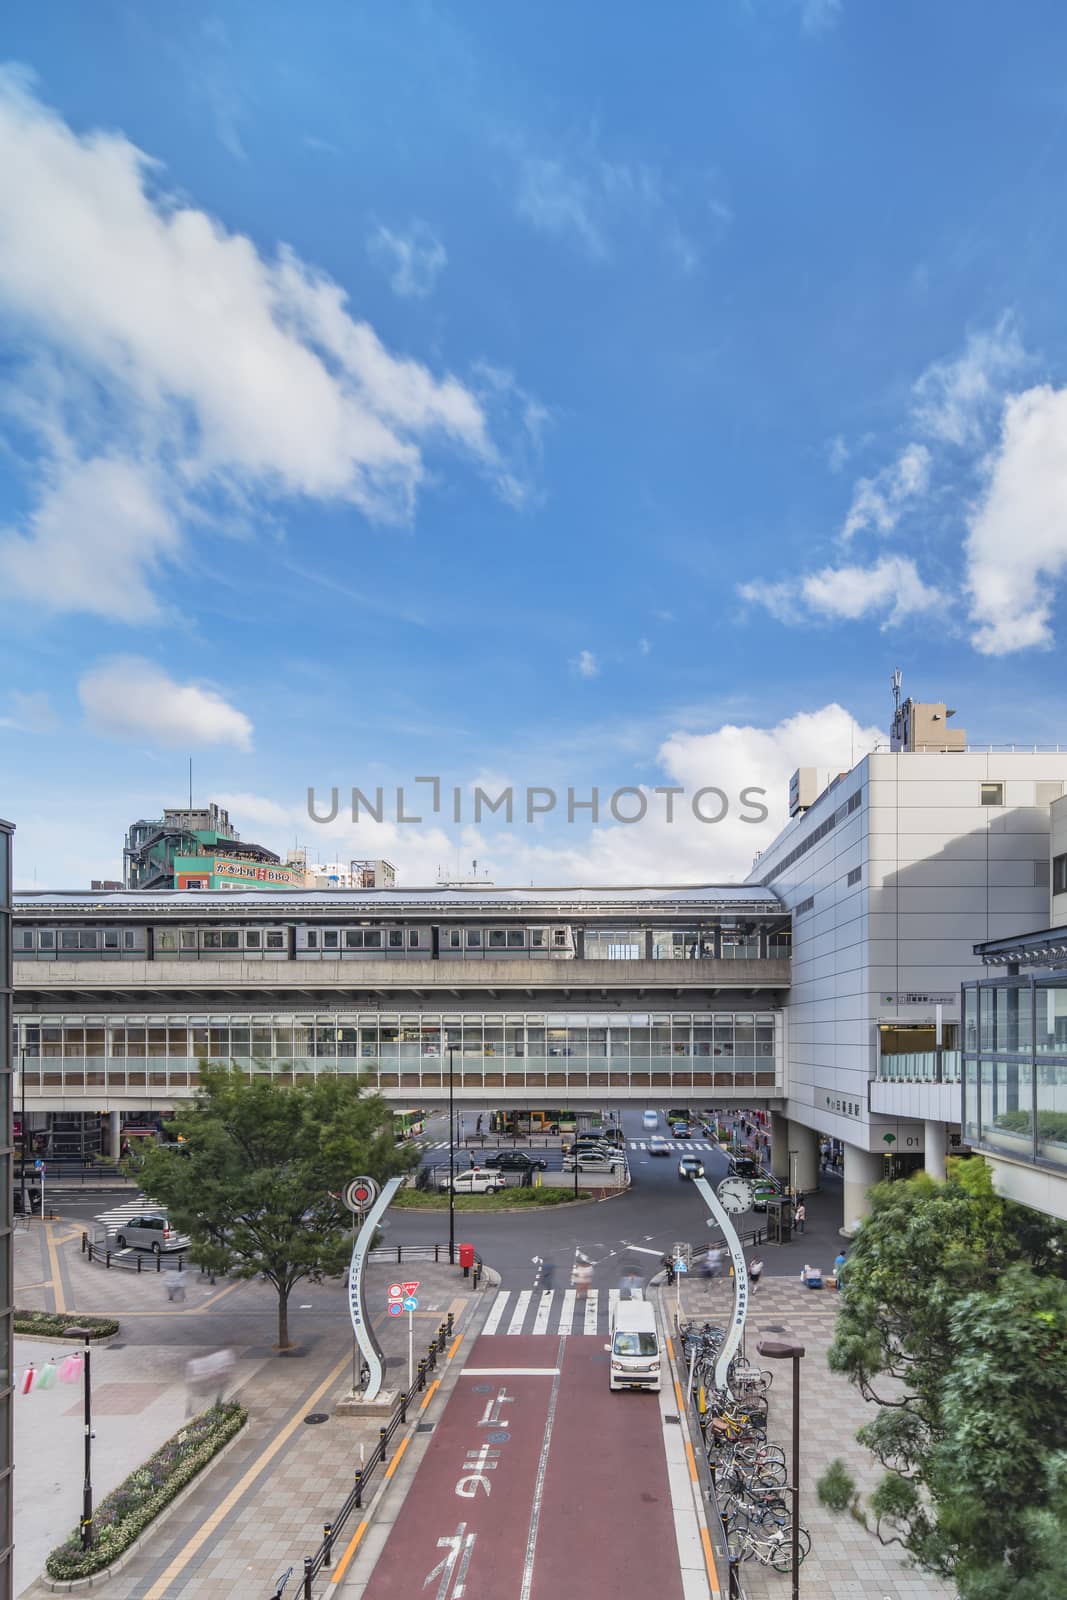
679 1145
551 1312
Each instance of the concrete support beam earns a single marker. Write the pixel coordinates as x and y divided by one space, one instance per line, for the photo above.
935 1142
780 1146
863 1169
805 1142
114 1137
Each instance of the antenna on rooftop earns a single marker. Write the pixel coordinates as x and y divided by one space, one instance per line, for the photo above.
190 783
896 690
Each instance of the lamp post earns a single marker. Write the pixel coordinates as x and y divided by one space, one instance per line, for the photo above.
22 1131
451 1161
782 1350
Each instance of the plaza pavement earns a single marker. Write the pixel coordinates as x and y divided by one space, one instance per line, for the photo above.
260 1510
846 1562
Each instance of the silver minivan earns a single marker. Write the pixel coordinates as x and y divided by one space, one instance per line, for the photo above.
148 1233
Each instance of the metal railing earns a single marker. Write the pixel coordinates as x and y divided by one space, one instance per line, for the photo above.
323 1556
134 1261
423 1252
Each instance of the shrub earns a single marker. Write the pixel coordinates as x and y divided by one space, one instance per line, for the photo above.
126 1512
1050 1124
57 1324
836 1488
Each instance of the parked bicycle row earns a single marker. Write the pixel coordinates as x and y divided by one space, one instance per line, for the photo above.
748 1471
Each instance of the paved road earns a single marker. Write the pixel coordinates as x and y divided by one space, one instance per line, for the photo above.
525 1490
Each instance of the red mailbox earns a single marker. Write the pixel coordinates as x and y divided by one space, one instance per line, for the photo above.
466 1258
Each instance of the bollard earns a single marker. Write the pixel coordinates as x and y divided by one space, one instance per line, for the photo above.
441 1337
327 1540
383 1442
85 1242
181 1264
107 1258
404 1407
437 1253
448 1322
359 1490
307 1578
138 1263
159 1260
422 1375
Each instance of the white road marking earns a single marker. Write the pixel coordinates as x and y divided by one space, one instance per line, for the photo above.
544 1311
613 1301
645 1251
539 1490
591 1311
519 1314
566 1316
509 1372
492 1322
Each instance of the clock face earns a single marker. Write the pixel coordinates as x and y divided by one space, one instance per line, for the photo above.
735 1195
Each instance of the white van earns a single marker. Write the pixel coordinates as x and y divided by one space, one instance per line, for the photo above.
651 1119
634 1347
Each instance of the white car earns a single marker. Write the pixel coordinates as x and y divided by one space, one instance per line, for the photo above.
651 1119
593 1163
659 1146
478 1180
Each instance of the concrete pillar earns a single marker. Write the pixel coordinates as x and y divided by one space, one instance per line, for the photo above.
780 1146
805 1142
863 1169
935 1139
114 1136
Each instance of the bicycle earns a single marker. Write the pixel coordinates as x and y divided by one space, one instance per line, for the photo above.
771 1546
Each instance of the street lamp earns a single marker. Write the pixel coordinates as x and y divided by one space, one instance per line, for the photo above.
451 1161
782 1350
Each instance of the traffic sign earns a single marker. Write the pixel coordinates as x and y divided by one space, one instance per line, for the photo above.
409 1288
396 1291
681 1265
410 1303
395 1308
359 1194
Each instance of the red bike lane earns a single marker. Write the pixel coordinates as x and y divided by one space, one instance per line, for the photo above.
537 1482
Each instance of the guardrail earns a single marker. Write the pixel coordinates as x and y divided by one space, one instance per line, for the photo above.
134 1263
422 1252
323 1556
747 1241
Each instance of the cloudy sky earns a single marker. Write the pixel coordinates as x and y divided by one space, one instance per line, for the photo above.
564 396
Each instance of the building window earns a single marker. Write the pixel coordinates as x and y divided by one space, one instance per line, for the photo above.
854 801
276 941
854 876
805 905
1059 874
992 794
474 938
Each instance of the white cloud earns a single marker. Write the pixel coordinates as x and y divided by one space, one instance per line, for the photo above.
891 588
953 400
877 502
818 16
837 454
30 712
644 647
414 260
132 698
586 664
256 808
1017 545
170 351
582 196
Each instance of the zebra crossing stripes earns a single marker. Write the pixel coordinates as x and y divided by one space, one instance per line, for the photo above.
675 1144
551 1312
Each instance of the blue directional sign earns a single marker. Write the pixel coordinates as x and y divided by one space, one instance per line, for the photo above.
411 1304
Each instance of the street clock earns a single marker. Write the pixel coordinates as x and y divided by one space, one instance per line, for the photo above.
735 1195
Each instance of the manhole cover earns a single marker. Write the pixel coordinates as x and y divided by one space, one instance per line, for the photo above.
670 1418
317 1416
768 1327
424 1427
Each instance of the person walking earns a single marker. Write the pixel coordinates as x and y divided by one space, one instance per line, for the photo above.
582 1277
755 1273
472 1160
800 1215
478 1127
548 1275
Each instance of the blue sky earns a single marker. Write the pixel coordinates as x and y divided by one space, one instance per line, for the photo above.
562 395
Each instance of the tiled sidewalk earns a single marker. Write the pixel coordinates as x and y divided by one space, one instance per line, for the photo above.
846 1562
262 1509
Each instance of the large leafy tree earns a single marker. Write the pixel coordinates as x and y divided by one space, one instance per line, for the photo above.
936 1280
256 1177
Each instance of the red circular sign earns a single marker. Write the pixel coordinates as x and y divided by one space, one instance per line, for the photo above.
361 1193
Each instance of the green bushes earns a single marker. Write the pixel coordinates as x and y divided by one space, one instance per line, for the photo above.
126 1512
57 1325
1050 1124
504 1200
836 1488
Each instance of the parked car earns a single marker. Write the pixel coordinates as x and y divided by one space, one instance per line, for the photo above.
659 1146
590 1147
745 1167
680 1130
478 1180
514 1161
593 1163
690 1167
148 1233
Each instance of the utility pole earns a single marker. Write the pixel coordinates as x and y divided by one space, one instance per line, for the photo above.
451 1160
87 1490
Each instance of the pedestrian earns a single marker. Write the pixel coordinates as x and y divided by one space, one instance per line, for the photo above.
478 1126
800 1215
582 1277
472 1160
548 1274
755 1273
839 1267
175 1287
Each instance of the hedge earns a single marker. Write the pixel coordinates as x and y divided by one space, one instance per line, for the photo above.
1050 1124
502 1200
126 1512
57 1324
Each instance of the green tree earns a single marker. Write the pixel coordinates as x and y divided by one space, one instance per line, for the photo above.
925 1264
257 1179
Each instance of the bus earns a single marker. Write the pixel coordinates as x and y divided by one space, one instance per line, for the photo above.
407 1124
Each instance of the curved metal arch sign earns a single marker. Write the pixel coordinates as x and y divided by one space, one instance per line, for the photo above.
737 1256
361 1324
